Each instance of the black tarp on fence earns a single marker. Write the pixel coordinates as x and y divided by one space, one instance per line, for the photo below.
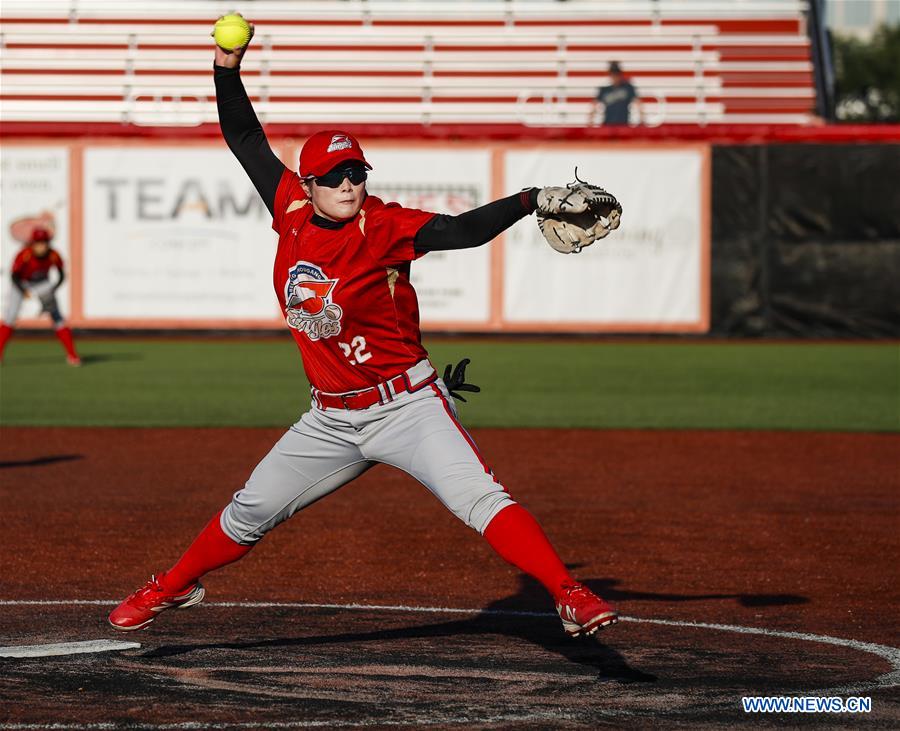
806 240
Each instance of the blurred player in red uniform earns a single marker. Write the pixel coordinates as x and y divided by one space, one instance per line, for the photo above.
31 278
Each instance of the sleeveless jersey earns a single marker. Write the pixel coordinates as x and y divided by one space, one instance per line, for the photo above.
345 293
30 268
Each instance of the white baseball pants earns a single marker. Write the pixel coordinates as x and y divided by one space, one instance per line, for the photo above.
417 432
42 290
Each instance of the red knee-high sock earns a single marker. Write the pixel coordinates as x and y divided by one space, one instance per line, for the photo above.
517 537
212 549
5 334
65 337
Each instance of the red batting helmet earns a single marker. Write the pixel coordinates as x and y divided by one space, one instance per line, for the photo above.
326 149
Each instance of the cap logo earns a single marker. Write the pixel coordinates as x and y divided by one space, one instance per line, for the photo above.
339 142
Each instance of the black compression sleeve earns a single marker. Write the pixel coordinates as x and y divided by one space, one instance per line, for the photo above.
475 227
244 134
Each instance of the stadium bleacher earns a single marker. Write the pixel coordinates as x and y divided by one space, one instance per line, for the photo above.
366 62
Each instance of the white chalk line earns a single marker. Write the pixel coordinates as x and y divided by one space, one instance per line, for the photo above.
66 648
886 652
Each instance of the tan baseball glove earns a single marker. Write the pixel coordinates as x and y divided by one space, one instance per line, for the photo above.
576 216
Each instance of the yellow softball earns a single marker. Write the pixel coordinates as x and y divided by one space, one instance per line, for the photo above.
231 32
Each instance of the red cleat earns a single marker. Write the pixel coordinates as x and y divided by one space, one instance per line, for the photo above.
73 360
582 611
142 607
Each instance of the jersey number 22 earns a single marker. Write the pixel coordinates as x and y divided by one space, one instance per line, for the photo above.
357 349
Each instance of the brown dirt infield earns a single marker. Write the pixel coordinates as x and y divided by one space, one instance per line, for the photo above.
783 531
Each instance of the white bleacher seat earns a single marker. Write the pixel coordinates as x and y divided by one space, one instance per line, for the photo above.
368 61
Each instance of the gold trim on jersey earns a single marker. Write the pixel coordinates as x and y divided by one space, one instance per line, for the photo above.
392 275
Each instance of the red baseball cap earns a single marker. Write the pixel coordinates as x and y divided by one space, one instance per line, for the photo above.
327 148
39 233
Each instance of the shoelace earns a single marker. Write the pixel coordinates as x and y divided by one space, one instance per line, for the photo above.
146 589
577 595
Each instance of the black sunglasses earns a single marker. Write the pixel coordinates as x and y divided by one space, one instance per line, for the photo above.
356 174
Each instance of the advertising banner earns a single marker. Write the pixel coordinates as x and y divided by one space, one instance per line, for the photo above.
650 275
175 233
35 187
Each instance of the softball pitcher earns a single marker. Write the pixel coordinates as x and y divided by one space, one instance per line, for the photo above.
341 276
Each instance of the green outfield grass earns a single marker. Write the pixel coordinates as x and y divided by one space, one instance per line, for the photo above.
685 384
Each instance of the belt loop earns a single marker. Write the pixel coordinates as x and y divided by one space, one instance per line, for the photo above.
384 393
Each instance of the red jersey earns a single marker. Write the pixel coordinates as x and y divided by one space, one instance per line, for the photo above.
345 293
29 268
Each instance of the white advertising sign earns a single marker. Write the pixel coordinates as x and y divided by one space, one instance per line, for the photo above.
175 233
34 181
647 275
452 286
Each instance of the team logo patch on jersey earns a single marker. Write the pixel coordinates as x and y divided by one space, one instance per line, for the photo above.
339 142
307 296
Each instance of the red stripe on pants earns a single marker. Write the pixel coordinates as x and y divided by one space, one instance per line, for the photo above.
465 434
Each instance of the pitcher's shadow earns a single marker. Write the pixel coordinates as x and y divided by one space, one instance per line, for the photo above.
609 589
611 664
511 617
